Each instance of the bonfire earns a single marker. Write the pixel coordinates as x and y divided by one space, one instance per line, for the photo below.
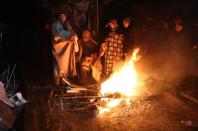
123 81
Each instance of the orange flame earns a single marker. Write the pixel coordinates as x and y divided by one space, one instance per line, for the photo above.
124 81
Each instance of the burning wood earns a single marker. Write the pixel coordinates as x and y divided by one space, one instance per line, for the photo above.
119 89
124 81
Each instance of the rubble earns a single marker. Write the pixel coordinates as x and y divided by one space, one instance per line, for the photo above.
9 108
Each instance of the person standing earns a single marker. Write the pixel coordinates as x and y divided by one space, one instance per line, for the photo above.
113 46
64 43
127 31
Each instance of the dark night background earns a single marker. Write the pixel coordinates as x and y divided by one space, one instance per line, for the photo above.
29 20
28 44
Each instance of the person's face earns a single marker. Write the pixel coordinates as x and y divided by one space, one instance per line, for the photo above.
178 27
112 26
63 18
86 35
126 24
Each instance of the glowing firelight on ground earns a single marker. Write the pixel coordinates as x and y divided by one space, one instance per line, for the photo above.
124 81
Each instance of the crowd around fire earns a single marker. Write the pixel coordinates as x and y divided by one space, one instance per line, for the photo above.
81 57
98 65
88 61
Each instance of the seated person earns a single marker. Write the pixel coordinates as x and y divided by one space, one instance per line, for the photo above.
89 61
89 46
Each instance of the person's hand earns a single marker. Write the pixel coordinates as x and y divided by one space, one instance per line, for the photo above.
74 38
104 46
102 49
57 38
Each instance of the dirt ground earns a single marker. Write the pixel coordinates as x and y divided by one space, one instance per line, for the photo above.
37 117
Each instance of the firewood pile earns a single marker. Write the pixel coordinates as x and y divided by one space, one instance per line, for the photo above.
61 100
73 99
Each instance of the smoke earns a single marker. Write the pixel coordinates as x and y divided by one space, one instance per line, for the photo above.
170 56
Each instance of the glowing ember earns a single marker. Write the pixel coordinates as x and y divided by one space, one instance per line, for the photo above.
124 81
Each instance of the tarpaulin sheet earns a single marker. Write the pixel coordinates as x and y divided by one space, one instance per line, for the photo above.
64 54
